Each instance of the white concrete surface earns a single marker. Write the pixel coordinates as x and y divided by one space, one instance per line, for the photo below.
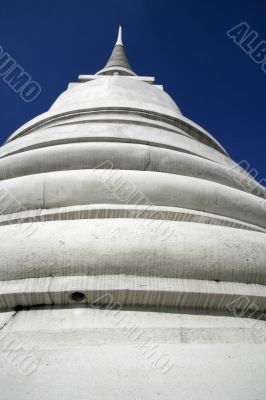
113 196
100 354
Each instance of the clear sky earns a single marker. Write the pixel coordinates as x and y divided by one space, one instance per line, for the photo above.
182 43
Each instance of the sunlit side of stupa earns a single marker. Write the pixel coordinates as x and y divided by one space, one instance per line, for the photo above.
133 252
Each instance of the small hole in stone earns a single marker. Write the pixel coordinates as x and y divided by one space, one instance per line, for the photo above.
77 296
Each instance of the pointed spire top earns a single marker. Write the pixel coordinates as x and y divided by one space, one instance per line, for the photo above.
119 36
118 62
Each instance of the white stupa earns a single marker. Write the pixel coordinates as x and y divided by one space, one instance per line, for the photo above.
133 252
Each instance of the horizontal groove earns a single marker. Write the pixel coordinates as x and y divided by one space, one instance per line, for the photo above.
106 139
112 211
121 121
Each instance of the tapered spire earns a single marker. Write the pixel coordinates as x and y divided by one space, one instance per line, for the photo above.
119 36
118 61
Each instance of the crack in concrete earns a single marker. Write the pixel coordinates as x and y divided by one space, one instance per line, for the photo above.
148 161
8 321
49 293
43 195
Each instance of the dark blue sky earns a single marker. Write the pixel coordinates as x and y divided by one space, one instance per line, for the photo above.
182 43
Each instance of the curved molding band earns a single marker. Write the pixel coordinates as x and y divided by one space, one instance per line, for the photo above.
132 247
113 132
121 156
107 186
180 122
112 292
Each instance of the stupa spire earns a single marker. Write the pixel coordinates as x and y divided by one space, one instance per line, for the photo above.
118 61
119 37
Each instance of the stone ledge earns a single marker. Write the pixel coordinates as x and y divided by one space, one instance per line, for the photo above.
114 291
